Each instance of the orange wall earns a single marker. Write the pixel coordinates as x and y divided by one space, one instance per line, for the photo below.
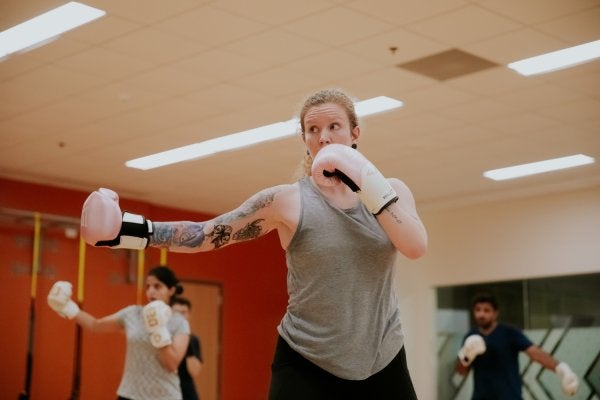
252 275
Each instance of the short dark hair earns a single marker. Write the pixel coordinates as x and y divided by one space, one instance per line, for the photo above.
181 300
485 298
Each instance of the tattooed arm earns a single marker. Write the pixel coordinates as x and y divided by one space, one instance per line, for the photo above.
402 223
256 217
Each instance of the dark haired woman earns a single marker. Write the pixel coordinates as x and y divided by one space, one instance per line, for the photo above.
157 339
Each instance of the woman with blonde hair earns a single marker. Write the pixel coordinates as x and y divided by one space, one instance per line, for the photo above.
342 227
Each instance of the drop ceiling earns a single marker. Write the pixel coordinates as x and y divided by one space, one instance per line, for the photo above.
153 75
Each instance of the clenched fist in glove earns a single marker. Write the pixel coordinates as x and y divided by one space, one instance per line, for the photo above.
156 316
103 223
474 345
59 299
569 382
336 162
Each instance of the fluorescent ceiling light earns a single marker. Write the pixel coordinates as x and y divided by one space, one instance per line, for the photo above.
250 137
539 167
39 30
557 59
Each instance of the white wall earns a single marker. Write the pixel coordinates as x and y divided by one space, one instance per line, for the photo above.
542 236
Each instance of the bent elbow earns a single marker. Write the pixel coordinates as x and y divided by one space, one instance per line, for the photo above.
416 251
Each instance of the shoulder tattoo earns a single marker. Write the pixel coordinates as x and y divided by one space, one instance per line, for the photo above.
258 201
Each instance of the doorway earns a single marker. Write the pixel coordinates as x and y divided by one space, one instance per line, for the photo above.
205 322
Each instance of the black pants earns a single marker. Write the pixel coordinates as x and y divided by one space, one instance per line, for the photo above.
295 378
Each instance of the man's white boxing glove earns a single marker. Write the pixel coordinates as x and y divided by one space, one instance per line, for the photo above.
103 223
59 299
336 162
569 382
156 316
474 345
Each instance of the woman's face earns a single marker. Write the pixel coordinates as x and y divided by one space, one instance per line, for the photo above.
325 124
156 290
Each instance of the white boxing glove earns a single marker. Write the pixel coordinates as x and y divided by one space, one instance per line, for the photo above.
569 382
103 223
59 299
336 162
156 316
474 345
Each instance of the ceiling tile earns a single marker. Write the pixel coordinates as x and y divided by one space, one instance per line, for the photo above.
62 115
539 96
13 131
117 98
272 12
275 47
17 64
277 82
153 118
492 81
93 62
148 12
170 81
210 26
436 97
101 30
220 65
327 65
46 84
400 12
514 46
479 110
13 12
575 29
517 124
144 44
578 110
337 26
535 11
466 25
225 97
586 82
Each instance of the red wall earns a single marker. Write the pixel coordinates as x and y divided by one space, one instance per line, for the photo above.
253 277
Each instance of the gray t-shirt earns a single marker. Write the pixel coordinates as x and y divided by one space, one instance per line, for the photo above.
342 312
144 378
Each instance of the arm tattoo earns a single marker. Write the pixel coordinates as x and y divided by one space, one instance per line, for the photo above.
393 214
180 234
220 235
250 231
260 200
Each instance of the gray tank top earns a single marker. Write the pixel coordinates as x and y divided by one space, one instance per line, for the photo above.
143 375
342 312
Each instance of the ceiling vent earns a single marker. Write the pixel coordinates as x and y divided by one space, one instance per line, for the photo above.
448 65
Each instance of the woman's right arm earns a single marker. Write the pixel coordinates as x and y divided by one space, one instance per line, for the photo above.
254 218
103 224
109 323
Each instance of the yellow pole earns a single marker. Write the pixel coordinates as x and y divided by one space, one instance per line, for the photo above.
81 271
163 256
36 254
140 277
